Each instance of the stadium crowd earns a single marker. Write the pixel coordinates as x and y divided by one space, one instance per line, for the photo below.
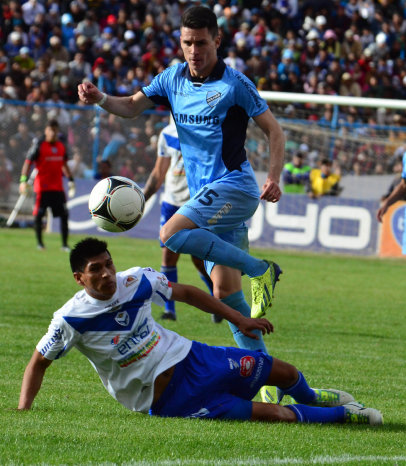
47 47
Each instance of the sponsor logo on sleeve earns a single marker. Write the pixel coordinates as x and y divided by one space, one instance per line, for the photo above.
247 364
57 336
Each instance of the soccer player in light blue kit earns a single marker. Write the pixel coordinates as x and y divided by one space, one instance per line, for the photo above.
211 104
169 168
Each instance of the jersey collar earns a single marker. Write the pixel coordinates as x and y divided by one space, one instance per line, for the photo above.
215 75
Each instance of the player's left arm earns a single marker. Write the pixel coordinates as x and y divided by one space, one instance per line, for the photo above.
71 183
198 298
32 380
157 176
276 140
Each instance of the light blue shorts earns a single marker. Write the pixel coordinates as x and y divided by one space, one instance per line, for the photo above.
222 209
214 382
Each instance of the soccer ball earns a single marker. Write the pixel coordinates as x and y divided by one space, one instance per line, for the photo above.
116 204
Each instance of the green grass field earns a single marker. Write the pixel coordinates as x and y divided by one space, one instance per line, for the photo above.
341 320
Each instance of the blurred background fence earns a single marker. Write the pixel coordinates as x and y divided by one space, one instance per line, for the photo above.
364 143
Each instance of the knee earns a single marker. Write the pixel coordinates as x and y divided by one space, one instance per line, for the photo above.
164 234
283 374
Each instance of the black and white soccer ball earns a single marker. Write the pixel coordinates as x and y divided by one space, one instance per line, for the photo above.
116 204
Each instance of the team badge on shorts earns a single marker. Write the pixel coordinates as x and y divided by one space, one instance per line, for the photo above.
212 98
247 364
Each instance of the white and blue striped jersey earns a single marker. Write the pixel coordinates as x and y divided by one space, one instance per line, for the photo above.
211 119
176 191
127 348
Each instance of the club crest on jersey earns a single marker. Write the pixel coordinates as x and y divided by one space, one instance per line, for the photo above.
130 280
247 364
122 318
212 98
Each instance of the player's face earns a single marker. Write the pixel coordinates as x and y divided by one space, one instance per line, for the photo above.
98 277
51 133
200 50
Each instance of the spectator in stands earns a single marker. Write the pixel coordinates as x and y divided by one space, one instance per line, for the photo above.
76 165
104 170
89 27
349 87
57 56
323 181
79 69
296 175
233 60
351 45
6 171
31 9
127 169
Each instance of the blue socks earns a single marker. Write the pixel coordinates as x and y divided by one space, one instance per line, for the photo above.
314 414
208 246
172 275
237 301
300 391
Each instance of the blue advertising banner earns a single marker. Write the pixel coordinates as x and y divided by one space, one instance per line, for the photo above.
328 224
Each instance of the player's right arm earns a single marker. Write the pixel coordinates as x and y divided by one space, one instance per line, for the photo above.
157 176
32 380
397 194
126 107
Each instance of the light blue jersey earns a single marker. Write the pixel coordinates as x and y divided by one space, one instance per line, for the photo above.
211 119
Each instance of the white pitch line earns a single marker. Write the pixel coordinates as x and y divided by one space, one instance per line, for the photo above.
257 462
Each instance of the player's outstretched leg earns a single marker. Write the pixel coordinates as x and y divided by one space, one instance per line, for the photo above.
350 414
262 288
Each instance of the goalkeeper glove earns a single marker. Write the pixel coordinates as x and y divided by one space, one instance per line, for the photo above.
71 188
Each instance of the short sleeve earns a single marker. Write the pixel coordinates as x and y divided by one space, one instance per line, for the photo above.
161 287
157 89
248 96
59 339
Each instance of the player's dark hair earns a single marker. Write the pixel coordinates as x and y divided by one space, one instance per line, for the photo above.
53 123
200 17
84 250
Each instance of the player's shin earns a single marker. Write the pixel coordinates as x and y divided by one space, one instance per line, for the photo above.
208 246
237 301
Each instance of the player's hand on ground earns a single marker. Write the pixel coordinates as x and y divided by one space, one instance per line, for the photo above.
271 191
89 93
247 325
